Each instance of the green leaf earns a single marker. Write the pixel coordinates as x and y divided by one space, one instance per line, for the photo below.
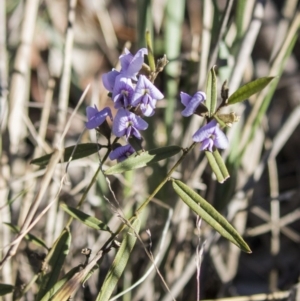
6 289
56 258
37 241
211 92
82 150
144 159
221 164
90 273
60 283
209 214
86 219
249 89
119 263
217 165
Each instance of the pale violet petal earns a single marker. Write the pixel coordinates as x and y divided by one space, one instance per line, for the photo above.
220 140
91 112
109 78
185 98
205 131
207 144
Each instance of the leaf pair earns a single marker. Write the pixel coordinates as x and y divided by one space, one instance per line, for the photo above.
239 95
209 214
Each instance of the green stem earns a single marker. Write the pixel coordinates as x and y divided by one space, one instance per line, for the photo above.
93 180
150 197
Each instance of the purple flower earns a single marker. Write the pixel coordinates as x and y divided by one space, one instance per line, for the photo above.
109 79
128 124
122 93
191 103
95 117
130 64
146 95
121 153
211 135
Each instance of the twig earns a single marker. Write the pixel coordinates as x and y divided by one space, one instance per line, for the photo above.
155 262
213 57
19 87
247 46
208 12
44 187
3 68
64 89
275 218
45 115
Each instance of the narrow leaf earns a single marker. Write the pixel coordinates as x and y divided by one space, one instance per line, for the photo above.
209 214
249 89
86 219
216 168
81 151
221 164
119 263
211 92
144 159
37 241
6 289
56 259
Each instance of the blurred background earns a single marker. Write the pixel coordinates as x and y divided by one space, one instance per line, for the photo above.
51 51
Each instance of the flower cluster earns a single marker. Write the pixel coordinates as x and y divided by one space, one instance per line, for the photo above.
133 92
130 92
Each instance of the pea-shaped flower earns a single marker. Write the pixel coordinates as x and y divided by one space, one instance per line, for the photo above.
109 79
191 103
128 124
130 66
211 136
95 117
121 153
146 95
122 92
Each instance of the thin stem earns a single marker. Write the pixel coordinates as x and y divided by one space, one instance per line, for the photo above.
223 28
156 190
93 180
151 196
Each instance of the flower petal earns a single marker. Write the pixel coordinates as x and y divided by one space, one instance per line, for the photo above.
147 94
134 132
136 62
125 60
207 144
120 123
91 112
96 119
109 78
190 108
185 98
147 109
121 153
220 140
205 132
123 92
191 103
138 122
